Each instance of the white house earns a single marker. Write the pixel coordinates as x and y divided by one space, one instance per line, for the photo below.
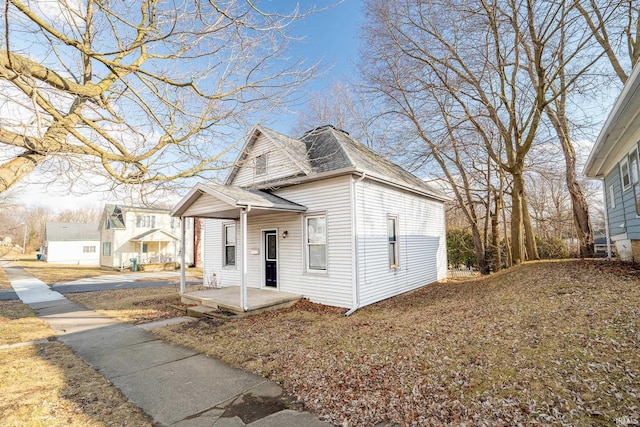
71 243
615 161
149 236
321 216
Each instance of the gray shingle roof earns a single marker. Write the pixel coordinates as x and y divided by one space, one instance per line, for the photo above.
333 149
71 231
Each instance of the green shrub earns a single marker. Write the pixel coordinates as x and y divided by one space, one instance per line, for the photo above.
460 249
552 248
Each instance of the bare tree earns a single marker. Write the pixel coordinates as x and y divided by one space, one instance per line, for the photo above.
348 107
616 27
141 92
81 215
507 66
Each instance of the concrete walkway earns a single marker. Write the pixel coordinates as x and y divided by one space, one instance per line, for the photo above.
174 385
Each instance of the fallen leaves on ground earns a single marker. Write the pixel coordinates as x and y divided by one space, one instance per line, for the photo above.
133 305
543 343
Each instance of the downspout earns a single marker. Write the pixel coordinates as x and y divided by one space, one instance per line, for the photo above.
606 218
243 238
354 221
183 275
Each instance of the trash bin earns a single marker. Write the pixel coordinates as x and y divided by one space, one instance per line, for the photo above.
38 257
135 263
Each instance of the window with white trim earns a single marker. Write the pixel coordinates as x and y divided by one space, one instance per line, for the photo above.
316 242
261 164
229 245
633 166
612 197
106 248
146 221
89 249
624 174
392 232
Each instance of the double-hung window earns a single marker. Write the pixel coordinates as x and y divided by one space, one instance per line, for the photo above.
316 245
229 245
392 233
624 174
106 248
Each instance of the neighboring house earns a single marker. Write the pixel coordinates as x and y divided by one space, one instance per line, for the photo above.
148 235
71 243
322 216
614 160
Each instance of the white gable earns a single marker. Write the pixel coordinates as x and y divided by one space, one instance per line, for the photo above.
282 159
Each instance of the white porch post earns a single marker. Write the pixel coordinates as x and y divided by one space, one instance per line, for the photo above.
243 278
183 244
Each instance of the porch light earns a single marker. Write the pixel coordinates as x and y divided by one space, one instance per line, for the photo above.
285 234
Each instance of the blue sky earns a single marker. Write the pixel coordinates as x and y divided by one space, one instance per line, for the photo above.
329 36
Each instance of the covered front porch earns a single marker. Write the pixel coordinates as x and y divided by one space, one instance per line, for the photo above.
228 299
235 205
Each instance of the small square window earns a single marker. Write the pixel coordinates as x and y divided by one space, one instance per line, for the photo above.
261 164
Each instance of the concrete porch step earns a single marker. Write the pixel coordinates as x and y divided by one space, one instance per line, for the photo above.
212 313
227 299
259 309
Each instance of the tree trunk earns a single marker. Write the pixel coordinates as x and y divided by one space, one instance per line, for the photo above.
579 204
495 235
530 237
517 243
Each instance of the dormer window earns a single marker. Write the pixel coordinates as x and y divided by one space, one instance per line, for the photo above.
261 164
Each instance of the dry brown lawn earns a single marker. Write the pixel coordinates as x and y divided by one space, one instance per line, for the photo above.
552 343
47 385
18 323
133 305
60 273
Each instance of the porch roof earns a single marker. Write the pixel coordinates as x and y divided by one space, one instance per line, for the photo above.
154 235
226 202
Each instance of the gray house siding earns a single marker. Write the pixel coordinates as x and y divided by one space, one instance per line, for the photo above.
623 217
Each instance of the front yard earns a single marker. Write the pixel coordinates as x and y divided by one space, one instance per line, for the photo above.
47 385
546 342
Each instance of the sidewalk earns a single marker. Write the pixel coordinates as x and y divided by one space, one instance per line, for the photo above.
174 385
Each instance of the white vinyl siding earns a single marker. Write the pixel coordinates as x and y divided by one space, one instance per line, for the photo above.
422 253
331 196
334 288
278 164
73 252
212 255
